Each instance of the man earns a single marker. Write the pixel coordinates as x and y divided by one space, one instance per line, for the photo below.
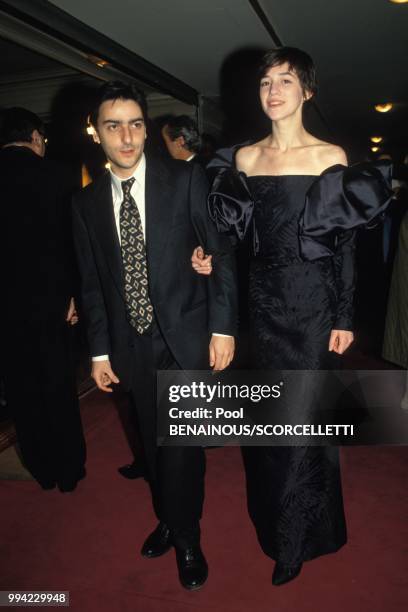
183 142
37 308
181 137
135 229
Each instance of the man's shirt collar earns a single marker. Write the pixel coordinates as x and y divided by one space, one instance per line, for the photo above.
138 174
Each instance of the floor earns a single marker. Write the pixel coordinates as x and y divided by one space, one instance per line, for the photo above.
88 542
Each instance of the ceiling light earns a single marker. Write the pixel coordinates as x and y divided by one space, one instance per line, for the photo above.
376 139
399 1
375 149
383 108
98 61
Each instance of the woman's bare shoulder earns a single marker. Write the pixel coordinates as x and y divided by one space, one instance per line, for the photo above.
328 154
247 156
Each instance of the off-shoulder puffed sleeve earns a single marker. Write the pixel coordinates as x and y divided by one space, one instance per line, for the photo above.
342 199
230 204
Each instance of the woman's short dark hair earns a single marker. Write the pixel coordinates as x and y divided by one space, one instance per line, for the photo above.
117 90
18 124
184 126
299 62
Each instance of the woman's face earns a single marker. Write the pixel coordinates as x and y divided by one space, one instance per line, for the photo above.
281 92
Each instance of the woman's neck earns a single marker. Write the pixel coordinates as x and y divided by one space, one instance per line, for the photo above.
288 133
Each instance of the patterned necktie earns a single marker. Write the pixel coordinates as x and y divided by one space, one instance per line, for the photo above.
138 306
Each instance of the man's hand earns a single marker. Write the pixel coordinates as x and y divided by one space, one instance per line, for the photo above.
103 375
340 340
72 315
202 264
221 351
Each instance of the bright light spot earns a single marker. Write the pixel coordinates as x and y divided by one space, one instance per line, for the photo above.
383 108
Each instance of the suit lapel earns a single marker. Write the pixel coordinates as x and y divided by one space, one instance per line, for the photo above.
159 212
105 228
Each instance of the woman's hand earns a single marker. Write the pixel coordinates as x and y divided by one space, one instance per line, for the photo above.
201 263
340 340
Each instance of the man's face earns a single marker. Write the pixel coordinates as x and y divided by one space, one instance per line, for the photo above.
121 131
38 143
173 146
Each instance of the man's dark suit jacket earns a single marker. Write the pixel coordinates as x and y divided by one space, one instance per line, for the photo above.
37 264
36 253
188 307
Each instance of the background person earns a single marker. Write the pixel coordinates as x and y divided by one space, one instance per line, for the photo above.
181 137
395 347
37 307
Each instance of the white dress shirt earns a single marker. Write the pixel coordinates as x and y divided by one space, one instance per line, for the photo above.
137 192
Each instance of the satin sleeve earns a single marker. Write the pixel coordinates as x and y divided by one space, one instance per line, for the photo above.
342 199
230 203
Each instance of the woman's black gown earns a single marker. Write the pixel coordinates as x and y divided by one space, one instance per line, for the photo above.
301 287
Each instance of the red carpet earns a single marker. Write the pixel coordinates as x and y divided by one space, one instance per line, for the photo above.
87 542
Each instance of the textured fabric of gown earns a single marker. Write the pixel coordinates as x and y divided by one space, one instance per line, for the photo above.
294 493
300 288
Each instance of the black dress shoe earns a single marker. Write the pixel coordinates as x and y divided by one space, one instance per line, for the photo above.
192 567
158 542
285 573
67 485
133 470
47 485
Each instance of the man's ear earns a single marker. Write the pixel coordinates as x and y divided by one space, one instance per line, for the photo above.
95 137
36 137
180 141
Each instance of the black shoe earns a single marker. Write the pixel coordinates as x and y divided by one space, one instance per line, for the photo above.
47 485
192 567
133 470
158 542
67 485
285 573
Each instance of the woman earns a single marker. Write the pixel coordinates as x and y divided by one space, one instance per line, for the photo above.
303 204
395 348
